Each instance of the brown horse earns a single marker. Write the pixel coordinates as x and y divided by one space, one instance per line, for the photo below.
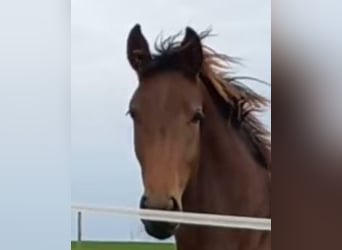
199 144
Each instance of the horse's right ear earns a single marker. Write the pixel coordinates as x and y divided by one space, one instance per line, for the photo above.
191 55
138 52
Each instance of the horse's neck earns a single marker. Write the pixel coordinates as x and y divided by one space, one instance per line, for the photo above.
228 179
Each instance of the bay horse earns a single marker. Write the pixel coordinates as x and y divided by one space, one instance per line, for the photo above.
198 141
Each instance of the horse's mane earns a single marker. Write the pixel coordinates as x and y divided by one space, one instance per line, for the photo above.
236 101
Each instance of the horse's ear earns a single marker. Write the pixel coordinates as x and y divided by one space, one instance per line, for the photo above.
191 54
138 52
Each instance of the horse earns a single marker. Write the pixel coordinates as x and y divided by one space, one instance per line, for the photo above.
198 141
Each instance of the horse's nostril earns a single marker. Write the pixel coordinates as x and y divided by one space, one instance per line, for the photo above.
175 206
171 204
143 202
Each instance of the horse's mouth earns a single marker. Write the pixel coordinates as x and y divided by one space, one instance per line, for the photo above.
160 230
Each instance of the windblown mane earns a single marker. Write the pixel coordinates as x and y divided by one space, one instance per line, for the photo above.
237 102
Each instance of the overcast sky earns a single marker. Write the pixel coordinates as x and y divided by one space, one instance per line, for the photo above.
104 170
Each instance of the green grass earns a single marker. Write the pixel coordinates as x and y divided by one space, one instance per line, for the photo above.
120 246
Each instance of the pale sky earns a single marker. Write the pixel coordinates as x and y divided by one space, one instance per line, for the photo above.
104 169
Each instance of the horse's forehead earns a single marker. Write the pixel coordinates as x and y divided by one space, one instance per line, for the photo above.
171 88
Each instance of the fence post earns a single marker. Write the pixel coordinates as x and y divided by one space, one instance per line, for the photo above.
79 226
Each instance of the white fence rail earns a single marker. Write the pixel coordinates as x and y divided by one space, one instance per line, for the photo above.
225 221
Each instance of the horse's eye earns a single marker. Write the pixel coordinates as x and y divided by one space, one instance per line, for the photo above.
197 117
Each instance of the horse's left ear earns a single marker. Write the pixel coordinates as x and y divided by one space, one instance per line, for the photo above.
191 54
138 52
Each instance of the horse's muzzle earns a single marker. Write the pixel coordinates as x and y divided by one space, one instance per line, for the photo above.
160 230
